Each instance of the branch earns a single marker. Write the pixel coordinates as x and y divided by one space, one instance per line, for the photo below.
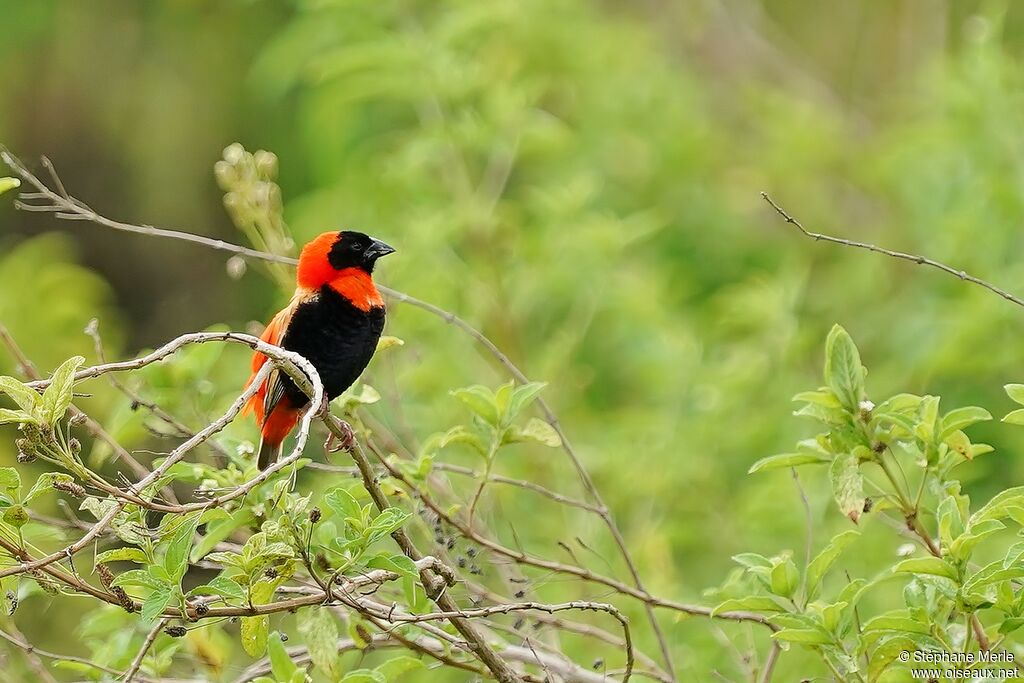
146 644
913 258
550 565
569 671
291 363
434 588
32 649
66 207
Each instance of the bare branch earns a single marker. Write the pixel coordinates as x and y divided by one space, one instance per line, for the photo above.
913 258
65 207
146 644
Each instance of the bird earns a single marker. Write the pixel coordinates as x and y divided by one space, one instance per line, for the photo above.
334 320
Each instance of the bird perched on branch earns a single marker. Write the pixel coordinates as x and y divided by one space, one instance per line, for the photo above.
334 320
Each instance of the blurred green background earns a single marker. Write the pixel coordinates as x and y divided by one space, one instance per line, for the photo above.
581 181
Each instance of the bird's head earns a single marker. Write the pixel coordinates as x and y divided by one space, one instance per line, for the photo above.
331 255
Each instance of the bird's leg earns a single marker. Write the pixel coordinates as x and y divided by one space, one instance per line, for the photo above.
334 444
344 443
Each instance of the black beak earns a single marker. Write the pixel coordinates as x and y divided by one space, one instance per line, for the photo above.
378 249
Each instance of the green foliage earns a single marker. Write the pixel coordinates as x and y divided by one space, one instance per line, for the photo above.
627 258
947 588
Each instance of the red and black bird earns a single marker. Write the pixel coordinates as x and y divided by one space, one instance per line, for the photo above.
334 320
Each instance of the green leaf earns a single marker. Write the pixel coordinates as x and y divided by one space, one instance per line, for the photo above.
320 632
847 485
804 636
774 462
255 631
342 502
887 652
281 665
963 545
1015 392
16 516
992 573
156 602
481 401
126 554
927 565
539 431
929 412
1011 625
386 342
998 507
7 184
752 560
179 542
1015 417
26 398
754 603
844 373
363 676
522 397
45 483
61 390
784 577
228 559
219 530
136 577
958 442
820 565
220 585
824 397
8 416
400 564
896 621
386 523
950 523
10 480
399 666
961 418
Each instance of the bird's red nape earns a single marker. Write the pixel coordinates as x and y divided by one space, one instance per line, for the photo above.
315 269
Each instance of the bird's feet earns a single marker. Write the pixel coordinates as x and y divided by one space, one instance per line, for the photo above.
343 443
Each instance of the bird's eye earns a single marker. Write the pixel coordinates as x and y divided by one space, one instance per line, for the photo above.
357 247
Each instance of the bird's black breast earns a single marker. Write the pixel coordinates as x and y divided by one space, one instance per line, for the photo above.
336 337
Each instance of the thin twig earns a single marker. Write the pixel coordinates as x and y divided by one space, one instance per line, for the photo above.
913 258
66 207
435 589
32 649
146 644
769 663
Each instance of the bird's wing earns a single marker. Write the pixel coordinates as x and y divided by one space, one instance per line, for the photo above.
271 391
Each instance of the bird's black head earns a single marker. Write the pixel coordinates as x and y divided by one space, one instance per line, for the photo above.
356 250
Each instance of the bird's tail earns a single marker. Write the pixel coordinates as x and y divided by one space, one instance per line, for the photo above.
268 453
276 427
